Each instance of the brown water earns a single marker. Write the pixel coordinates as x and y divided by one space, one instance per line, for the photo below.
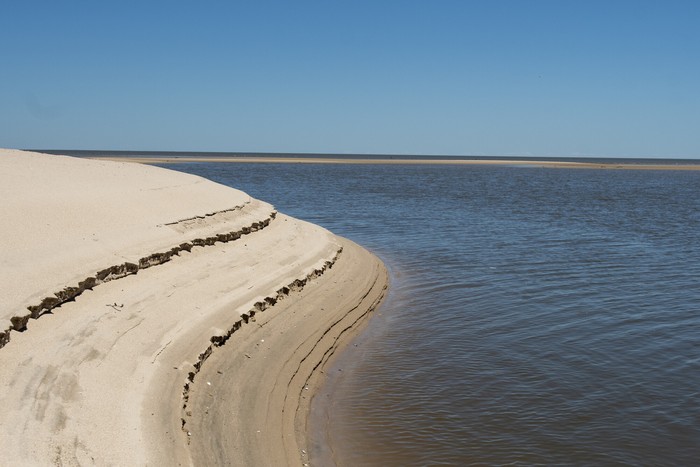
536 316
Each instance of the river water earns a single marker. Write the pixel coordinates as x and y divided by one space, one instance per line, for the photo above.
535 316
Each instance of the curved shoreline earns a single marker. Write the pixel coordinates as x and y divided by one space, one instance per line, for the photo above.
294 362
236 305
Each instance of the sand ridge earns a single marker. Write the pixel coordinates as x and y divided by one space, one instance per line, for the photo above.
120 373
66 220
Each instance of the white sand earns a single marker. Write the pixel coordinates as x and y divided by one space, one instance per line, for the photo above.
111 376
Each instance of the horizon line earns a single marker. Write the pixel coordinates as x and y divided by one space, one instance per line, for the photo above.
349 154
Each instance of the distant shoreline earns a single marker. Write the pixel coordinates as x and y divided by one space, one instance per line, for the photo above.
87 153
634 164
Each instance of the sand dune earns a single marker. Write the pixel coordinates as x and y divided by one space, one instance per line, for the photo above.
153 317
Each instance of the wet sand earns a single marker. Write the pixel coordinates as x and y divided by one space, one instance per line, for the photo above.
154 317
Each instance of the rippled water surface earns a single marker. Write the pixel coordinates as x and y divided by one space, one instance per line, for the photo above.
544 316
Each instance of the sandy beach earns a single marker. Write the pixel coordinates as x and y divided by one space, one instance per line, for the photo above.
150 317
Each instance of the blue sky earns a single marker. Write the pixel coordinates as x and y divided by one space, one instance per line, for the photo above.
532 78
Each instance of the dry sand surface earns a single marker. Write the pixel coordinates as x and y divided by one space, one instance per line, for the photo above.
399 161
150 317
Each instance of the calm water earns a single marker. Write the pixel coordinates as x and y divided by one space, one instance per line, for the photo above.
536 316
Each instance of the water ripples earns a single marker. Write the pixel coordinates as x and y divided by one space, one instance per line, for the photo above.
535 316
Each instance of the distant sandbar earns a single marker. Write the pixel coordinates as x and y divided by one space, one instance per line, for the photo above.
400 161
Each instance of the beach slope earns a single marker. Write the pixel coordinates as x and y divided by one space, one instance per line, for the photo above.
154 317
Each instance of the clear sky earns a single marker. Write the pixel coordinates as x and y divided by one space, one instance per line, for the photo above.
542 78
